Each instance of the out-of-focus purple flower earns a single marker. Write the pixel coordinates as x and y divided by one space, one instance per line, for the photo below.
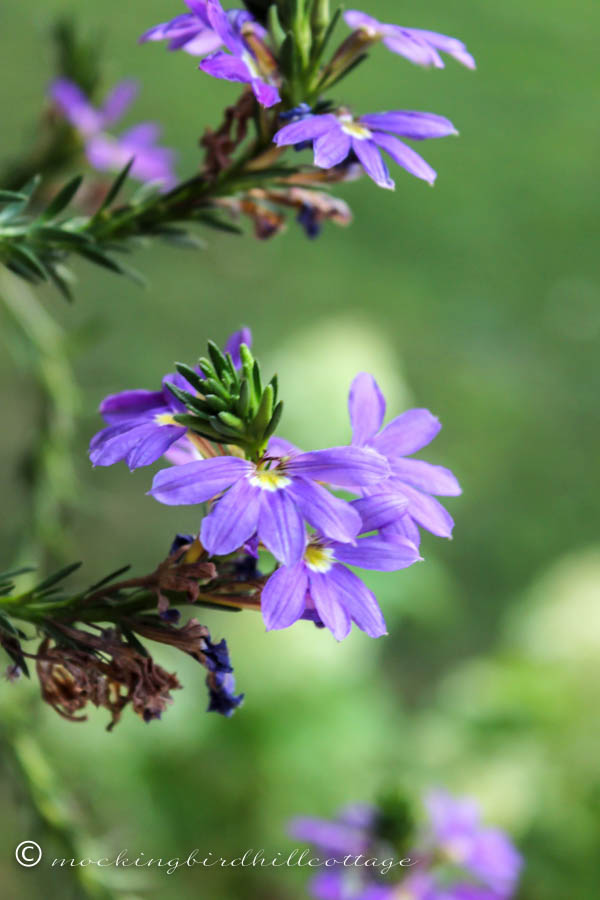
412 479
486 853
322 582
272 497
234 342
349 833
249 60
336 136
106 153
420 47
190 31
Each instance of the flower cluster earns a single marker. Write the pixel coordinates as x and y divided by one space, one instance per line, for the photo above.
151 162
451 856
216 425
255 55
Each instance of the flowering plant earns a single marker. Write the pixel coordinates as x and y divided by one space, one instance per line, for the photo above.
383 852
273 533
284 53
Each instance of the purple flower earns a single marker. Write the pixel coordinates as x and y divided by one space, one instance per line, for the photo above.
220 680
141 425
335 136
321 581
420 47
105 152
272 497
191 31
349 833
249 60
485 853
412 479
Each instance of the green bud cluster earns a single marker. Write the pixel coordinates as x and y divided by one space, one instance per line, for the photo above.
230 406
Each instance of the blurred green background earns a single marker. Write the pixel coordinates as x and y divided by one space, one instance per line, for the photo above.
478 299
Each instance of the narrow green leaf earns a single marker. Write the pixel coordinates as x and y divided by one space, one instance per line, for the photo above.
56 577
62 199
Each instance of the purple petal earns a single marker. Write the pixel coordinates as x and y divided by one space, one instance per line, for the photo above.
281 527
118 102
357 19
117 442
200 44
343 466
426 477
131 404
495 861
331 516
198 8
418 126
426 511
449 45
266 94
372 162
404 42
306 129
378 554
359 601
75 106
230 68
331 148
325 595
233 519
366 404
154 446
218 20
282 600
234 342
405 156
380 510
182 452
333 838
197 481
407 433
404 527
140 136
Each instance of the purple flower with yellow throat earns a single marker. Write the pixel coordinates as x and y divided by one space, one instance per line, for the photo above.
249 60
105 152
321 582
418 46
337 135
272 497
413 480
141 427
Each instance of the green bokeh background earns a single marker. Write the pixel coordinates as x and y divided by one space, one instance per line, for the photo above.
478 299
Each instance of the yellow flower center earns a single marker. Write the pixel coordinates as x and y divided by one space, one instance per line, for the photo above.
354 129
269 479
165 419
318 559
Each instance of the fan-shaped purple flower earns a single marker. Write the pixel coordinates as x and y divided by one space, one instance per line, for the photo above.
336 135
412 479
272 497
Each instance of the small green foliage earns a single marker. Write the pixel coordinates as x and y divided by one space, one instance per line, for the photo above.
229 406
